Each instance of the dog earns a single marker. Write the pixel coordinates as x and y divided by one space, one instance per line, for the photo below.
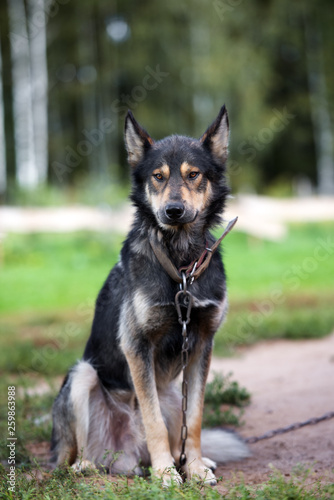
120 407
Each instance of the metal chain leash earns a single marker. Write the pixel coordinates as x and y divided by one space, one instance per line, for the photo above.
184 298
289 428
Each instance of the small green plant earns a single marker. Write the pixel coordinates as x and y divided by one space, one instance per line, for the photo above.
222 391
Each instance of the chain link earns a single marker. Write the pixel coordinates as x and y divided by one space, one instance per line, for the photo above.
184 299
289 428
187 301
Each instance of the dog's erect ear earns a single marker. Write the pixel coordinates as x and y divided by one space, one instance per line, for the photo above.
137 140
217 136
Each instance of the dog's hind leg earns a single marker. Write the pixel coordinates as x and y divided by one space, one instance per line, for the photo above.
96 427
116 436
71 416
63 442
84 380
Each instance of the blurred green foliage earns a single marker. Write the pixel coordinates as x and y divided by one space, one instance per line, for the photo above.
222 397
174 64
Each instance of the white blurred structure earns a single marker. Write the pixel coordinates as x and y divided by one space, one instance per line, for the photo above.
320 110
39 80
3 177
29 73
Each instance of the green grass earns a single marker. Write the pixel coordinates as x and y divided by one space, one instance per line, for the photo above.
301 263
42 272
47 349
64 484
278 289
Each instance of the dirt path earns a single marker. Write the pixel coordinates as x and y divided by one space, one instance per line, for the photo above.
290 381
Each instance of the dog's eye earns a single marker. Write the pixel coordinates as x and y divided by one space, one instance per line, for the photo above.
193 175
158 177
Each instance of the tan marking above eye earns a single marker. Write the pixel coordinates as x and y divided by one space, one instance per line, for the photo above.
161 173
189 171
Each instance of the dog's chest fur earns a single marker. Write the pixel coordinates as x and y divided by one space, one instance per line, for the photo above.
157 322
149 305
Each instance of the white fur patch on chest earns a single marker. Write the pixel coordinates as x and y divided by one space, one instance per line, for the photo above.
142 306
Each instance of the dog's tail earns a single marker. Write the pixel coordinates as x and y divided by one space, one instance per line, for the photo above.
223 446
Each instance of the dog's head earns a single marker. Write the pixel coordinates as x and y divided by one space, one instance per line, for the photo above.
179 181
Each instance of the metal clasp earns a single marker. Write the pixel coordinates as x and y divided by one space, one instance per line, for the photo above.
187 302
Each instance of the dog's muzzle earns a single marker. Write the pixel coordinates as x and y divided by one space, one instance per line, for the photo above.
174 211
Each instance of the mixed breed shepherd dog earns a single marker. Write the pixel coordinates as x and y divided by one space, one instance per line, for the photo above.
120 406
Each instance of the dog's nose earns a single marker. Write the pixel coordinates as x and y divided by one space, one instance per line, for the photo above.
174 211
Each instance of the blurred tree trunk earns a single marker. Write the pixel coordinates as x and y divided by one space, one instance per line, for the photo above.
26 171
202 103
99 32
39 81
322 129
7 93
3 171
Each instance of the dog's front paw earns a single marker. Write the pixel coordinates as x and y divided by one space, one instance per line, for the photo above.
200 470
169 475
209 463
83 465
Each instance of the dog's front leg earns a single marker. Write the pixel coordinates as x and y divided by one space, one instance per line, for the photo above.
140 360
197 373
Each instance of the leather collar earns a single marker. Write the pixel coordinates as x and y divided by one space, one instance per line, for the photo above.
195 268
